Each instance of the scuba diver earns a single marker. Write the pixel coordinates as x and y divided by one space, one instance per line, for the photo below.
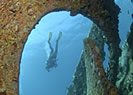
51 62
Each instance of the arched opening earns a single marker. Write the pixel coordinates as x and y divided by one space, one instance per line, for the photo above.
23 15
34 78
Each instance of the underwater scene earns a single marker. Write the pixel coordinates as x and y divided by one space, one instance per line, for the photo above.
66 47
49 62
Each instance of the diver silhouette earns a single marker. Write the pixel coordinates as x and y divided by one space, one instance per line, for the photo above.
51 62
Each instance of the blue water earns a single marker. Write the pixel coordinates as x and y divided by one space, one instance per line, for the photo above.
125 19
34 79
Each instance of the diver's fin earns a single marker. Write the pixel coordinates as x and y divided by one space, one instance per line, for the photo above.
59 36
50 35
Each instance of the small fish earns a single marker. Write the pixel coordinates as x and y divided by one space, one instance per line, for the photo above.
128 12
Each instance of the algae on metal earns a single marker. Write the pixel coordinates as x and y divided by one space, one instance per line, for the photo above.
94 76
79 86
125 75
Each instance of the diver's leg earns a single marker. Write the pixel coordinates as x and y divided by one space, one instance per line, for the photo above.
56 48
50 47
50 35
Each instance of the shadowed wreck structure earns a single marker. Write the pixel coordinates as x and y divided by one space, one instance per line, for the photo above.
18 18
